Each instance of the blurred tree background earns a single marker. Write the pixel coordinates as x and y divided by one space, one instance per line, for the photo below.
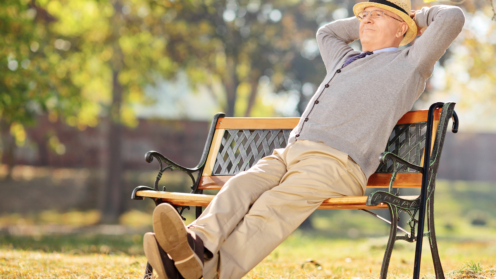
92 63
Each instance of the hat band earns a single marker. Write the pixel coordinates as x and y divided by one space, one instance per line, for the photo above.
387 3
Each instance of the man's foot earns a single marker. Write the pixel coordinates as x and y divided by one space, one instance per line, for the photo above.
158 259
182 245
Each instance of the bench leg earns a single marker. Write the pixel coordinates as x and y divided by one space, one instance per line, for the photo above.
392 239
148 271
432 239
198 210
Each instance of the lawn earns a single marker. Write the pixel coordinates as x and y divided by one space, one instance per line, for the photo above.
344 244
98 256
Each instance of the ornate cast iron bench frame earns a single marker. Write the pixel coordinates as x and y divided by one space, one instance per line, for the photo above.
235 144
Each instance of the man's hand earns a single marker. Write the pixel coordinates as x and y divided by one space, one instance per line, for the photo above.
412 15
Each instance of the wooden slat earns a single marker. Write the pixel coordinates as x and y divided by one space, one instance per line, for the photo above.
355 200
212 154
184 199
376 180
257 123
403 180
213 182
435 123
380 206
418 116
291 122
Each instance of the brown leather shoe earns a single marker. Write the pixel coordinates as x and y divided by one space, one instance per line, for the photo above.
181 244
158 259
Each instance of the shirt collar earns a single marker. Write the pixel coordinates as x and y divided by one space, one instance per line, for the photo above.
386 49
383 50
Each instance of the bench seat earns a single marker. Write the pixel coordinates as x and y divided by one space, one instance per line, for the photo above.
376 180
185 199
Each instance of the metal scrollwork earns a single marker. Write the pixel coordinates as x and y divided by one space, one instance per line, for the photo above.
166 164
385 197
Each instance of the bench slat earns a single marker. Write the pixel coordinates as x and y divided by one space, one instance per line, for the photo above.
291 122
184 199
376 180
257 123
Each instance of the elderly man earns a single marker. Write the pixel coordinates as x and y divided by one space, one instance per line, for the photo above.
332 151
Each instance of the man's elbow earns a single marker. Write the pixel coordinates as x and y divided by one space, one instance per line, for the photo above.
455 16
321 33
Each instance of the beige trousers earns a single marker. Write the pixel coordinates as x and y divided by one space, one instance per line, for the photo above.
258 208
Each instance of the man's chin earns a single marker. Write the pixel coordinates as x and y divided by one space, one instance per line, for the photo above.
365 40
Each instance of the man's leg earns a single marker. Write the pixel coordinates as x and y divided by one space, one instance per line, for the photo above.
232 202
315 173
220 217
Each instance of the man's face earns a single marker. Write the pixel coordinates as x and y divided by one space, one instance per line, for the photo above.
380 31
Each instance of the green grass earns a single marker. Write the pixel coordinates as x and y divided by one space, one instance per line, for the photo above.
474 267
94 256
76 244
346 244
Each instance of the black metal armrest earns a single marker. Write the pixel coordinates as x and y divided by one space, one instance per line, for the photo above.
454 129
171 164
384 197
391 156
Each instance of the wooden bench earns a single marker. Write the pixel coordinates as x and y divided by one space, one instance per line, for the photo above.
235 144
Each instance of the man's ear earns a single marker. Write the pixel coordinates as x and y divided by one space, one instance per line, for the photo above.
404 28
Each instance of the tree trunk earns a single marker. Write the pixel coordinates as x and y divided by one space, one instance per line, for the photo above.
112 201
231 83
9 148
255 76
112 204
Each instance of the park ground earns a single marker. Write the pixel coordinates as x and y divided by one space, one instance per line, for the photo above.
343 243
302 255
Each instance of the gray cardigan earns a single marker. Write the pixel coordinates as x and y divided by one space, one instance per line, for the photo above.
355 108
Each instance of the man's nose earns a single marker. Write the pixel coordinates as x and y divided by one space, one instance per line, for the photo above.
368 21
368 18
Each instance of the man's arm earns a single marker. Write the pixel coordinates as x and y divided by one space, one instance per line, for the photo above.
333 39
443 24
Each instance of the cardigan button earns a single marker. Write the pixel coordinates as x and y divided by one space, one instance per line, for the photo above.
327 85
338 71
306 119
297 135
316 102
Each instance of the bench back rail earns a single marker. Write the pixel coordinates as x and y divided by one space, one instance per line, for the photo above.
238 143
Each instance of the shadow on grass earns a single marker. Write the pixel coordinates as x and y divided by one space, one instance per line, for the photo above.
76 243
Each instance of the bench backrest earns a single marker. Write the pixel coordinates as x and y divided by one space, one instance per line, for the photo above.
238 143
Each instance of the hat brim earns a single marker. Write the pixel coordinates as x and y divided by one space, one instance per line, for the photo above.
411 33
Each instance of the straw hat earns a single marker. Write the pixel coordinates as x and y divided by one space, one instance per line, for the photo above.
399 7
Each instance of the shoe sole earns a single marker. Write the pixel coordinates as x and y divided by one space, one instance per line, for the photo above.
152 253
172 236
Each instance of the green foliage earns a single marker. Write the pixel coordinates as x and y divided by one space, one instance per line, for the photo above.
250 48
31 79
118 45
468 73
66 57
